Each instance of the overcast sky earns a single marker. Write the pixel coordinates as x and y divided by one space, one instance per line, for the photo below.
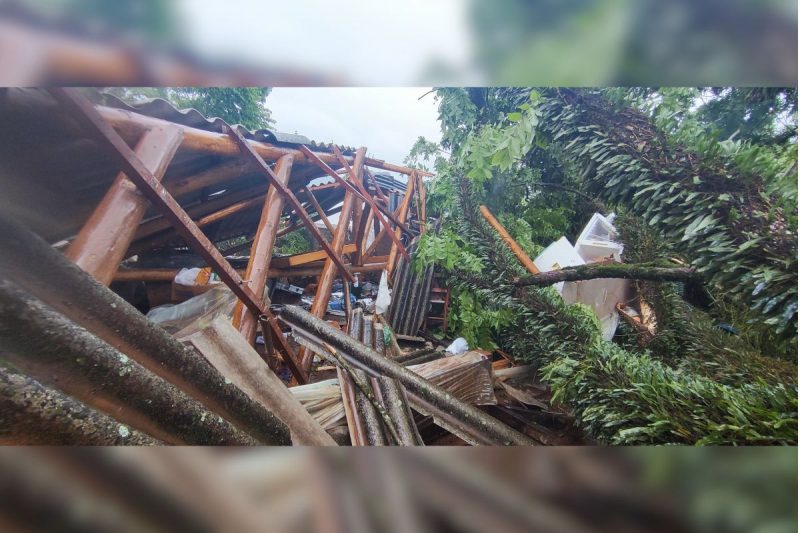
385 120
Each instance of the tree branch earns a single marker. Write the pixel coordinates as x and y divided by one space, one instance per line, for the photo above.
615 270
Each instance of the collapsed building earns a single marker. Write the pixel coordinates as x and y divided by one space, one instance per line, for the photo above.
111 211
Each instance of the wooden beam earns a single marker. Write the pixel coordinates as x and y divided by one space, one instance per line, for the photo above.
215 175
289 196
166 275
515 248
314 158
130 126
232 209
261 251
421 198
374 182
307 257
150 187
320 305
371 201
318 209
403 213
102 242
383 165
362 234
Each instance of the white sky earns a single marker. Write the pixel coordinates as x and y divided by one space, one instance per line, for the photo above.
350 42
387 120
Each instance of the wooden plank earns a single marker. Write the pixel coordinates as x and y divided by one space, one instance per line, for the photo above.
108 138
105 237
515 248
166 275
403 213
307 257
291 198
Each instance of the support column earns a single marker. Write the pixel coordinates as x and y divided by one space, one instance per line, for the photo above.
330 270
105 237
402 215
261 251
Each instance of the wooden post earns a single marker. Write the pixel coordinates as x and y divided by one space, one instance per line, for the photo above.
263 168
261 252
410 186
328 274
364 221
516 248
102 242
371 201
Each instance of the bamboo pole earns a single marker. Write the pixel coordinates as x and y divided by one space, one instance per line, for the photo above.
515 248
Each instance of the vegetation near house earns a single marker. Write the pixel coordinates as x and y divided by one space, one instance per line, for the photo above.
704 179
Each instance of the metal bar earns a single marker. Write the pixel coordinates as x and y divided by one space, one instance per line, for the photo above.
287 193
370 201
104 238
158 195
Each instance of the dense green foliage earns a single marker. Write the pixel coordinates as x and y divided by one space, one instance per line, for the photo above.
543 161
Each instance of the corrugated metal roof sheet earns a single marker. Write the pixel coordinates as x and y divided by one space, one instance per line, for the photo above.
163 109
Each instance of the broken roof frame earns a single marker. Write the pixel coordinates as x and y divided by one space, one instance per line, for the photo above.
107 237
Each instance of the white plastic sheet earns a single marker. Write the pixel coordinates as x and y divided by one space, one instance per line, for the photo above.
384 295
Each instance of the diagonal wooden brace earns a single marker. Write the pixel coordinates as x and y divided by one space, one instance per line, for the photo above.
371 202
154 191
287 193
314 158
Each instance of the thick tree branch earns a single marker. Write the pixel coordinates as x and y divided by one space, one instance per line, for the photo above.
616 270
